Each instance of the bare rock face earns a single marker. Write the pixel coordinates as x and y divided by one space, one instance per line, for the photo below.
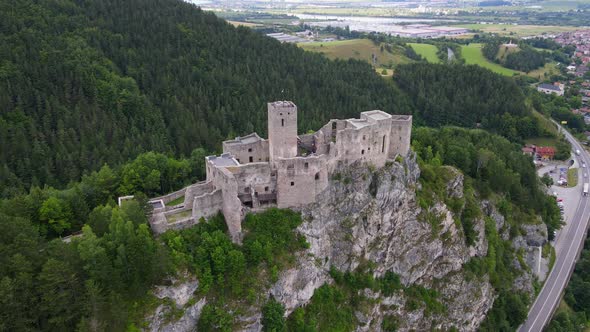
372 216
296 286
179 294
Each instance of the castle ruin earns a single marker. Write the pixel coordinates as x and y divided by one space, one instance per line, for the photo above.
286 170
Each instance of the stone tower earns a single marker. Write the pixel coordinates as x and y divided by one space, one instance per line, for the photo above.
282 130
401 132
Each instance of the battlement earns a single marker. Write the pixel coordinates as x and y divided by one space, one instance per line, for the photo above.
281 105
254 173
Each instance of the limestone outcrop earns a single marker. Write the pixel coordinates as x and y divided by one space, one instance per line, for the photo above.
369 215
372 215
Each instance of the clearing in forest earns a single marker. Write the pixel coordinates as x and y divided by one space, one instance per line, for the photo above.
473 56
427 51
380 56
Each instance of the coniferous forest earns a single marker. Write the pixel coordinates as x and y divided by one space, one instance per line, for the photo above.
84 83
100 99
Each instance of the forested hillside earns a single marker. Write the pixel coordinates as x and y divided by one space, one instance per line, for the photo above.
468 96
88 82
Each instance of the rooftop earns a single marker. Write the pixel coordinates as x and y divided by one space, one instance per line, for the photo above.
248 139
225 159
358 123
401 117
283 103
376 115
549 87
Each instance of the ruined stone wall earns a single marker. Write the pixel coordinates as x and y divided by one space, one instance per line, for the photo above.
231 207
196 189
400 137
172 196
300 179
367 144
207 205
282 130
248 152
254 178
307 141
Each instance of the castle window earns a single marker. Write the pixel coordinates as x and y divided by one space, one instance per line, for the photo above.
333 125
250 150
362 151
256 193
364 137
282 122
292 183
281 113
265 188
251 159
317 176
306 166
383 145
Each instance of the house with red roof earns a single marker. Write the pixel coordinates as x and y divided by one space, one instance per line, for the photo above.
545 152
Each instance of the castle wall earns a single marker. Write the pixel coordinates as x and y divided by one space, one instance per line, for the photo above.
172 196
232 209
231 206
196 189
207 205
400 137
253 173
248 152
300 179
282 130
254 178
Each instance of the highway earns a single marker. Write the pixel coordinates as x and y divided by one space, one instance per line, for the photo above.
568 246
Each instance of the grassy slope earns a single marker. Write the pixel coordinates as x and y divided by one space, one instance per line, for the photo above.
472 55
427 51
542 141
360 49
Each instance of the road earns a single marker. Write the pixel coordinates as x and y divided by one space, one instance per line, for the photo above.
570 243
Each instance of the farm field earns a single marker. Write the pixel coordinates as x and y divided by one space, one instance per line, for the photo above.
427 51
361 49
473 56
517 30
244 24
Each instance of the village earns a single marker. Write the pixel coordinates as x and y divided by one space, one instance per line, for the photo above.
577 82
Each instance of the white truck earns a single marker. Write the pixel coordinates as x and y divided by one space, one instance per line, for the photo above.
585 192
577 152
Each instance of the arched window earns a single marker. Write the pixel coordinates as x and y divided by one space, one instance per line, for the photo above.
317 176
282 122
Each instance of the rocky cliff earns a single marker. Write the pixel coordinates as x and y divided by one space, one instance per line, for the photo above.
371 217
